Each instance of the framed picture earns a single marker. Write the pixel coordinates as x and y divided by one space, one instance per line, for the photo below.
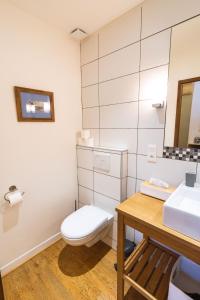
34 105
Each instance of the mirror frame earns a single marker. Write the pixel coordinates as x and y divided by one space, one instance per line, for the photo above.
178 109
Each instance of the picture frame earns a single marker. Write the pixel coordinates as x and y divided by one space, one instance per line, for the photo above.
34 105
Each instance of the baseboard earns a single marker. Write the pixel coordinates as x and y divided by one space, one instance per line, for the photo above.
110 242
29 254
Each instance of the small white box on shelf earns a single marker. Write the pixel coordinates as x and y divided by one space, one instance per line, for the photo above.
156 191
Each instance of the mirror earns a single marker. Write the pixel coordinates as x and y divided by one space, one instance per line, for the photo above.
183 99
187 127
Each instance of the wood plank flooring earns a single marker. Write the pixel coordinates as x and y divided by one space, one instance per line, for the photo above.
63 272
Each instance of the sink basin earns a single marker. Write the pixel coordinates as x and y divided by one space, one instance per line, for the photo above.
182 211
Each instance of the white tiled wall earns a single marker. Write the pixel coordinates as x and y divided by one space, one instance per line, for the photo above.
155 50
90 96
123 89
161 14
85 178
89 49
107 185
128 76
117 34
120 63
103 189
91 117
85 195
153 83
119 115
119 138
90 74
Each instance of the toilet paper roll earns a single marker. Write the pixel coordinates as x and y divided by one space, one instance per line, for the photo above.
89 142
85 134
14 198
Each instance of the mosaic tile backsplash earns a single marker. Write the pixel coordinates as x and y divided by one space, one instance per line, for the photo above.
186 154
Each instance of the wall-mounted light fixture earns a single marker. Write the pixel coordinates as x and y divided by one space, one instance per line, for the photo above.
158 104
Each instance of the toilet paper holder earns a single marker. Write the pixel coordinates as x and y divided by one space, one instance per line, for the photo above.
12 189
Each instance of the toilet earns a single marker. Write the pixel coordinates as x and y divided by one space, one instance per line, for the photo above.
86 226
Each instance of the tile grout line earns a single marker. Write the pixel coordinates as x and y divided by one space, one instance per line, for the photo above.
122 103
125 75
99 139
170 45
85 187
136 167
141 39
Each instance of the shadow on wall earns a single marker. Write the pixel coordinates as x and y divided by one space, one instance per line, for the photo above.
76 261
10 216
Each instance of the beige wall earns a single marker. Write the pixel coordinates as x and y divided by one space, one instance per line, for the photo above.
37 157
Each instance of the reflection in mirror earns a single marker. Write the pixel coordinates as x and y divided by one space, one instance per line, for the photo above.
187 129
182 128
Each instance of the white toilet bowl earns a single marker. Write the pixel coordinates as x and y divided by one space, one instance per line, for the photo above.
86 226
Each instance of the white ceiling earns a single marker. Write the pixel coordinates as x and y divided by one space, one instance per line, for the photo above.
89 15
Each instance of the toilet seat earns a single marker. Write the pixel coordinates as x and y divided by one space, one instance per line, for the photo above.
84 224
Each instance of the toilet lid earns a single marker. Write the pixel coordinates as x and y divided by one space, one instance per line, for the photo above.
83 222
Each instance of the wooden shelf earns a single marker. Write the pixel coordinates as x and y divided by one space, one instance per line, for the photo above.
148 270
144 269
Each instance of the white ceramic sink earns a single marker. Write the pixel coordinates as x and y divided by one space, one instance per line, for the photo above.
182 211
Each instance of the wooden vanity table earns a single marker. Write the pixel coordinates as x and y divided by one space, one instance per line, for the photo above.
149 267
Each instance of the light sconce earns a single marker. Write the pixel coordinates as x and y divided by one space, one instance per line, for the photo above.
158 105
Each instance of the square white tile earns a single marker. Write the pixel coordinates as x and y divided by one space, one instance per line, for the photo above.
85 196
150 117
171 171
155 50
90 74
123 189
131 185
113 231
89 49
91 117
120 138
120 63
106 203
115 164
95 134
124 165
153 84
85 158
80 204
85 178
119 115
138 185
150 136
107 185
90 96
161 14
121 32
124 89
132 165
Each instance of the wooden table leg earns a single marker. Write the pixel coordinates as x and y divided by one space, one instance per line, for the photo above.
1 289
120 257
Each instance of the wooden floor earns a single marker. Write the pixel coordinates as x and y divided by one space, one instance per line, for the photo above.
65 272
